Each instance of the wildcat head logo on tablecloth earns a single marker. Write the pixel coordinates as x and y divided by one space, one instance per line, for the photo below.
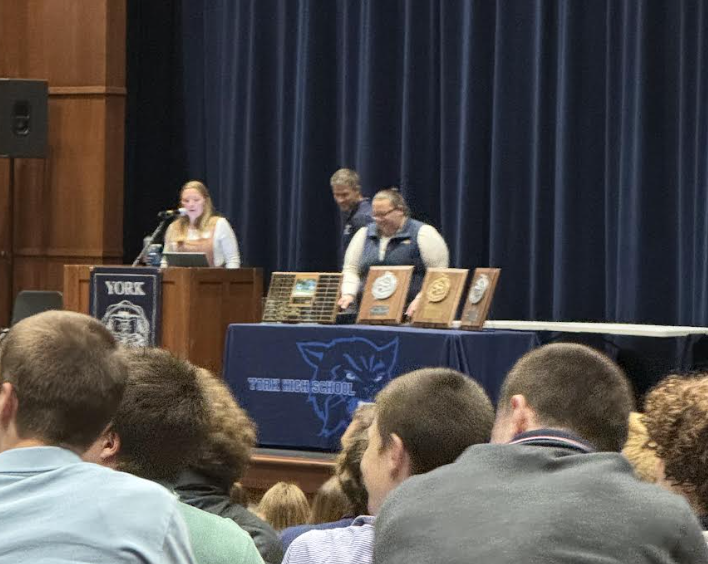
347 371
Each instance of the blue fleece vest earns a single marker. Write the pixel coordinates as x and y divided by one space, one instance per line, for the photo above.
402 250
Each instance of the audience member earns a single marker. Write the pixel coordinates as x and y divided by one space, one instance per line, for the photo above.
284 505
222 459
62 381
637 451
348 474
424 419
156 432
676 418
348 464
330 503
553 489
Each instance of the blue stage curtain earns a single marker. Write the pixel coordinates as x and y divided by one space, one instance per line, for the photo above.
563 141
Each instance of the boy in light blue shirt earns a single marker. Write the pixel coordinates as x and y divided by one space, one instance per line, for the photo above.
62 380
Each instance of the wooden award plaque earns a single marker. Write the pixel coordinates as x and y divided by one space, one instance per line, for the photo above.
482 287
302 297
440 296
385 295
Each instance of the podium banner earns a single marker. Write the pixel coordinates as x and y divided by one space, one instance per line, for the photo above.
127 301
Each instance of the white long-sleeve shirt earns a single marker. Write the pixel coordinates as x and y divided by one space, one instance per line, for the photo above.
433 251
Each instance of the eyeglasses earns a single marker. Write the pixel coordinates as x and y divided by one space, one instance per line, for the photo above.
382 215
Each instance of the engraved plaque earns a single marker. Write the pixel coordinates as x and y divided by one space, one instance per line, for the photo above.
479 298
440 296
385 295
302 297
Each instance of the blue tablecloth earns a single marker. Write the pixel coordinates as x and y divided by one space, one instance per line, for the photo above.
300 383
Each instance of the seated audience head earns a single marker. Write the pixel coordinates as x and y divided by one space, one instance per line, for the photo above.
346 188
330 503
348 464
225 453
284 505
161 422
676 418
568 387
424 419
640 455
62 380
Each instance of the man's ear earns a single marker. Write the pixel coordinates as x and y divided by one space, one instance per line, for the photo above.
111 446
105 450
8 403
523 417
399 459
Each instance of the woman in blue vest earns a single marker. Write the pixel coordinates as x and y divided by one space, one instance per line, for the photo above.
394 239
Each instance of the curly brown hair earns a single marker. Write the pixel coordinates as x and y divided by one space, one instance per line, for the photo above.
676 418
226 452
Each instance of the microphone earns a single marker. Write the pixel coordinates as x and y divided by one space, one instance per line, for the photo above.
172 213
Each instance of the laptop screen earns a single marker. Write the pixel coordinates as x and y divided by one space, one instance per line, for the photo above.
186 259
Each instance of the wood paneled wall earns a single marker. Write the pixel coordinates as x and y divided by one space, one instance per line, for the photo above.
68 208
5 250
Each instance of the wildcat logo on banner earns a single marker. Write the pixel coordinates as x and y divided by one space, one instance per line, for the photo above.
347 371
128 301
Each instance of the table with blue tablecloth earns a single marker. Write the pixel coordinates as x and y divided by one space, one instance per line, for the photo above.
300 383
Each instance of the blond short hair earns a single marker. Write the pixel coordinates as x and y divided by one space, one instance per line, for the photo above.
636 450
346 177
284 505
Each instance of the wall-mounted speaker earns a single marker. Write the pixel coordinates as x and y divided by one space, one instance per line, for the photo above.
23 118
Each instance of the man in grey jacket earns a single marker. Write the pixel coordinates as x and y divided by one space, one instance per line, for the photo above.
553 488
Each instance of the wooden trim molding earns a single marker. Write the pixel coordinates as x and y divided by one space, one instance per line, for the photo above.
87 90
307 472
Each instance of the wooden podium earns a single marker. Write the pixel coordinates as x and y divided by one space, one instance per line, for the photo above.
198 304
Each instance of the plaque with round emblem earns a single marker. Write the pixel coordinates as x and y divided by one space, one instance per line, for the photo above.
479 288
440 296
479 299
439 289
385 293
384 286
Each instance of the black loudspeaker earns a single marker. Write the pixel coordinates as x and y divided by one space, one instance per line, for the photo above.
23 118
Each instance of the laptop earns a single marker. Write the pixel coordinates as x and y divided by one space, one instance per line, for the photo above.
186 259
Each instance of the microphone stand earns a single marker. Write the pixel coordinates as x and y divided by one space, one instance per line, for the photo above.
141 256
